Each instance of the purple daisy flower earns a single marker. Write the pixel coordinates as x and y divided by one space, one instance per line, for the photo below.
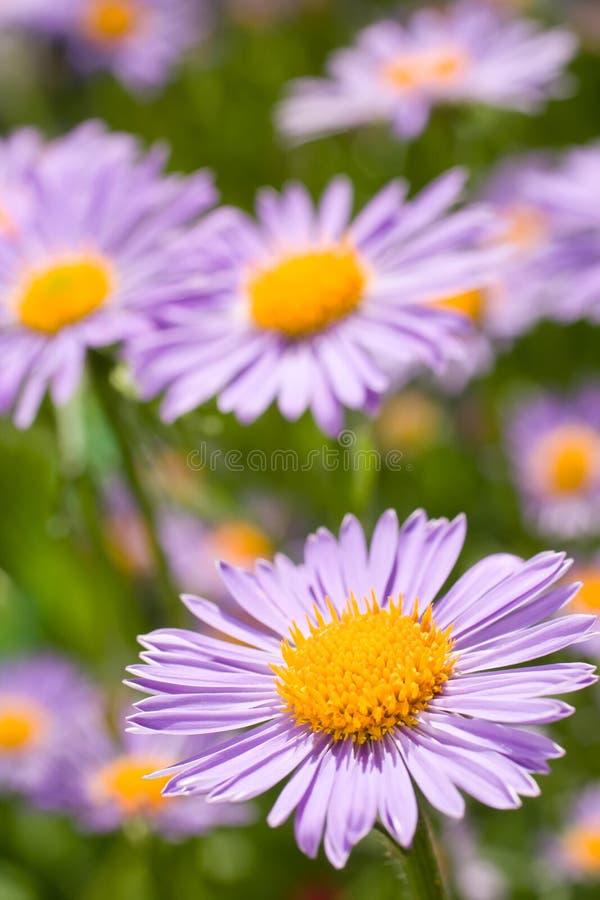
465 53
79 268
554 446
45 705
313 310
527 229
355 683
576 852
106 786
138 40
568 193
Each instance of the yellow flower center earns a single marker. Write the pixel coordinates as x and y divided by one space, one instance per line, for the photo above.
587 598
582 846
21 724
570 459
469 303
365 672
307 292
123 782
525 227
110 21
240 543
7 226
431 69
410 420
127 542
63 294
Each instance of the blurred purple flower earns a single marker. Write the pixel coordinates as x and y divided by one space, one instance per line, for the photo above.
138 40
359 311
354 698
569 194
465 53
46 707
576 852
192 546
88 246
475 877
107 787
554 446
527 280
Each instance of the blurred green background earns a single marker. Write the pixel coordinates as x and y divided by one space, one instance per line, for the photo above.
59 586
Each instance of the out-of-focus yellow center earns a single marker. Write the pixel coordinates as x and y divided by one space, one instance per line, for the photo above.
110 21
582 846
364 672
21 724
410 420
440 68
587 598
61 295
240 543
7 226
469 303
569 459
525 227
307 292
123 782
127 542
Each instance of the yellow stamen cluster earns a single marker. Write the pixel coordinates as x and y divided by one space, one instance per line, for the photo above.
582 847
569 459
21 724
365 671
307 292
123 782
63 294
111 21
439 68
468 303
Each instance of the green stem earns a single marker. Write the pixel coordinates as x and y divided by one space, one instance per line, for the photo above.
419 872
109 401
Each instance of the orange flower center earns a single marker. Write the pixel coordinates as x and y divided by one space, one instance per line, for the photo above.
61 295
587 599
525 227
569 459
21 724
410 419
440 69
123 782
364 672
7 226
240 543
305 293
110 21
469 303
582 846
